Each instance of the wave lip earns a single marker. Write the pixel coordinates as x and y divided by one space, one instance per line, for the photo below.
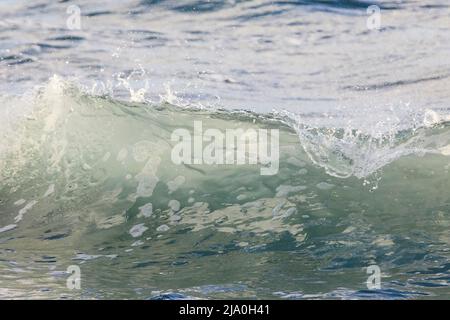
341 151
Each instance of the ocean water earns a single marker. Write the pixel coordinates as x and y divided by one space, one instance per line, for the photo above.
89 103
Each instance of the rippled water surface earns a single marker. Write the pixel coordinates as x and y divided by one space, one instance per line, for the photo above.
86 177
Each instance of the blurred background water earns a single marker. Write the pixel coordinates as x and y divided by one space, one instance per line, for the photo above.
262 55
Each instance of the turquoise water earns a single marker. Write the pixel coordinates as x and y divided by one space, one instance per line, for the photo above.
99 191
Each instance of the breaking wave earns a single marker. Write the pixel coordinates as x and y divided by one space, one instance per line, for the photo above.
87 178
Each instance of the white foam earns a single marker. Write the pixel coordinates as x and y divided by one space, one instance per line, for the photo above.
163 228
146 210
50 191
8 228
24 210
138 230
174 184
325 186
174 205
285 190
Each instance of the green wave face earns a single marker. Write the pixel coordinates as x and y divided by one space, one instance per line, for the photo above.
90 181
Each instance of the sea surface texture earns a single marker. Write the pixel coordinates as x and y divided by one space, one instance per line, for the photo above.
92 205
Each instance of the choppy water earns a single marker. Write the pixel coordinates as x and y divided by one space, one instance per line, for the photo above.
87 179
